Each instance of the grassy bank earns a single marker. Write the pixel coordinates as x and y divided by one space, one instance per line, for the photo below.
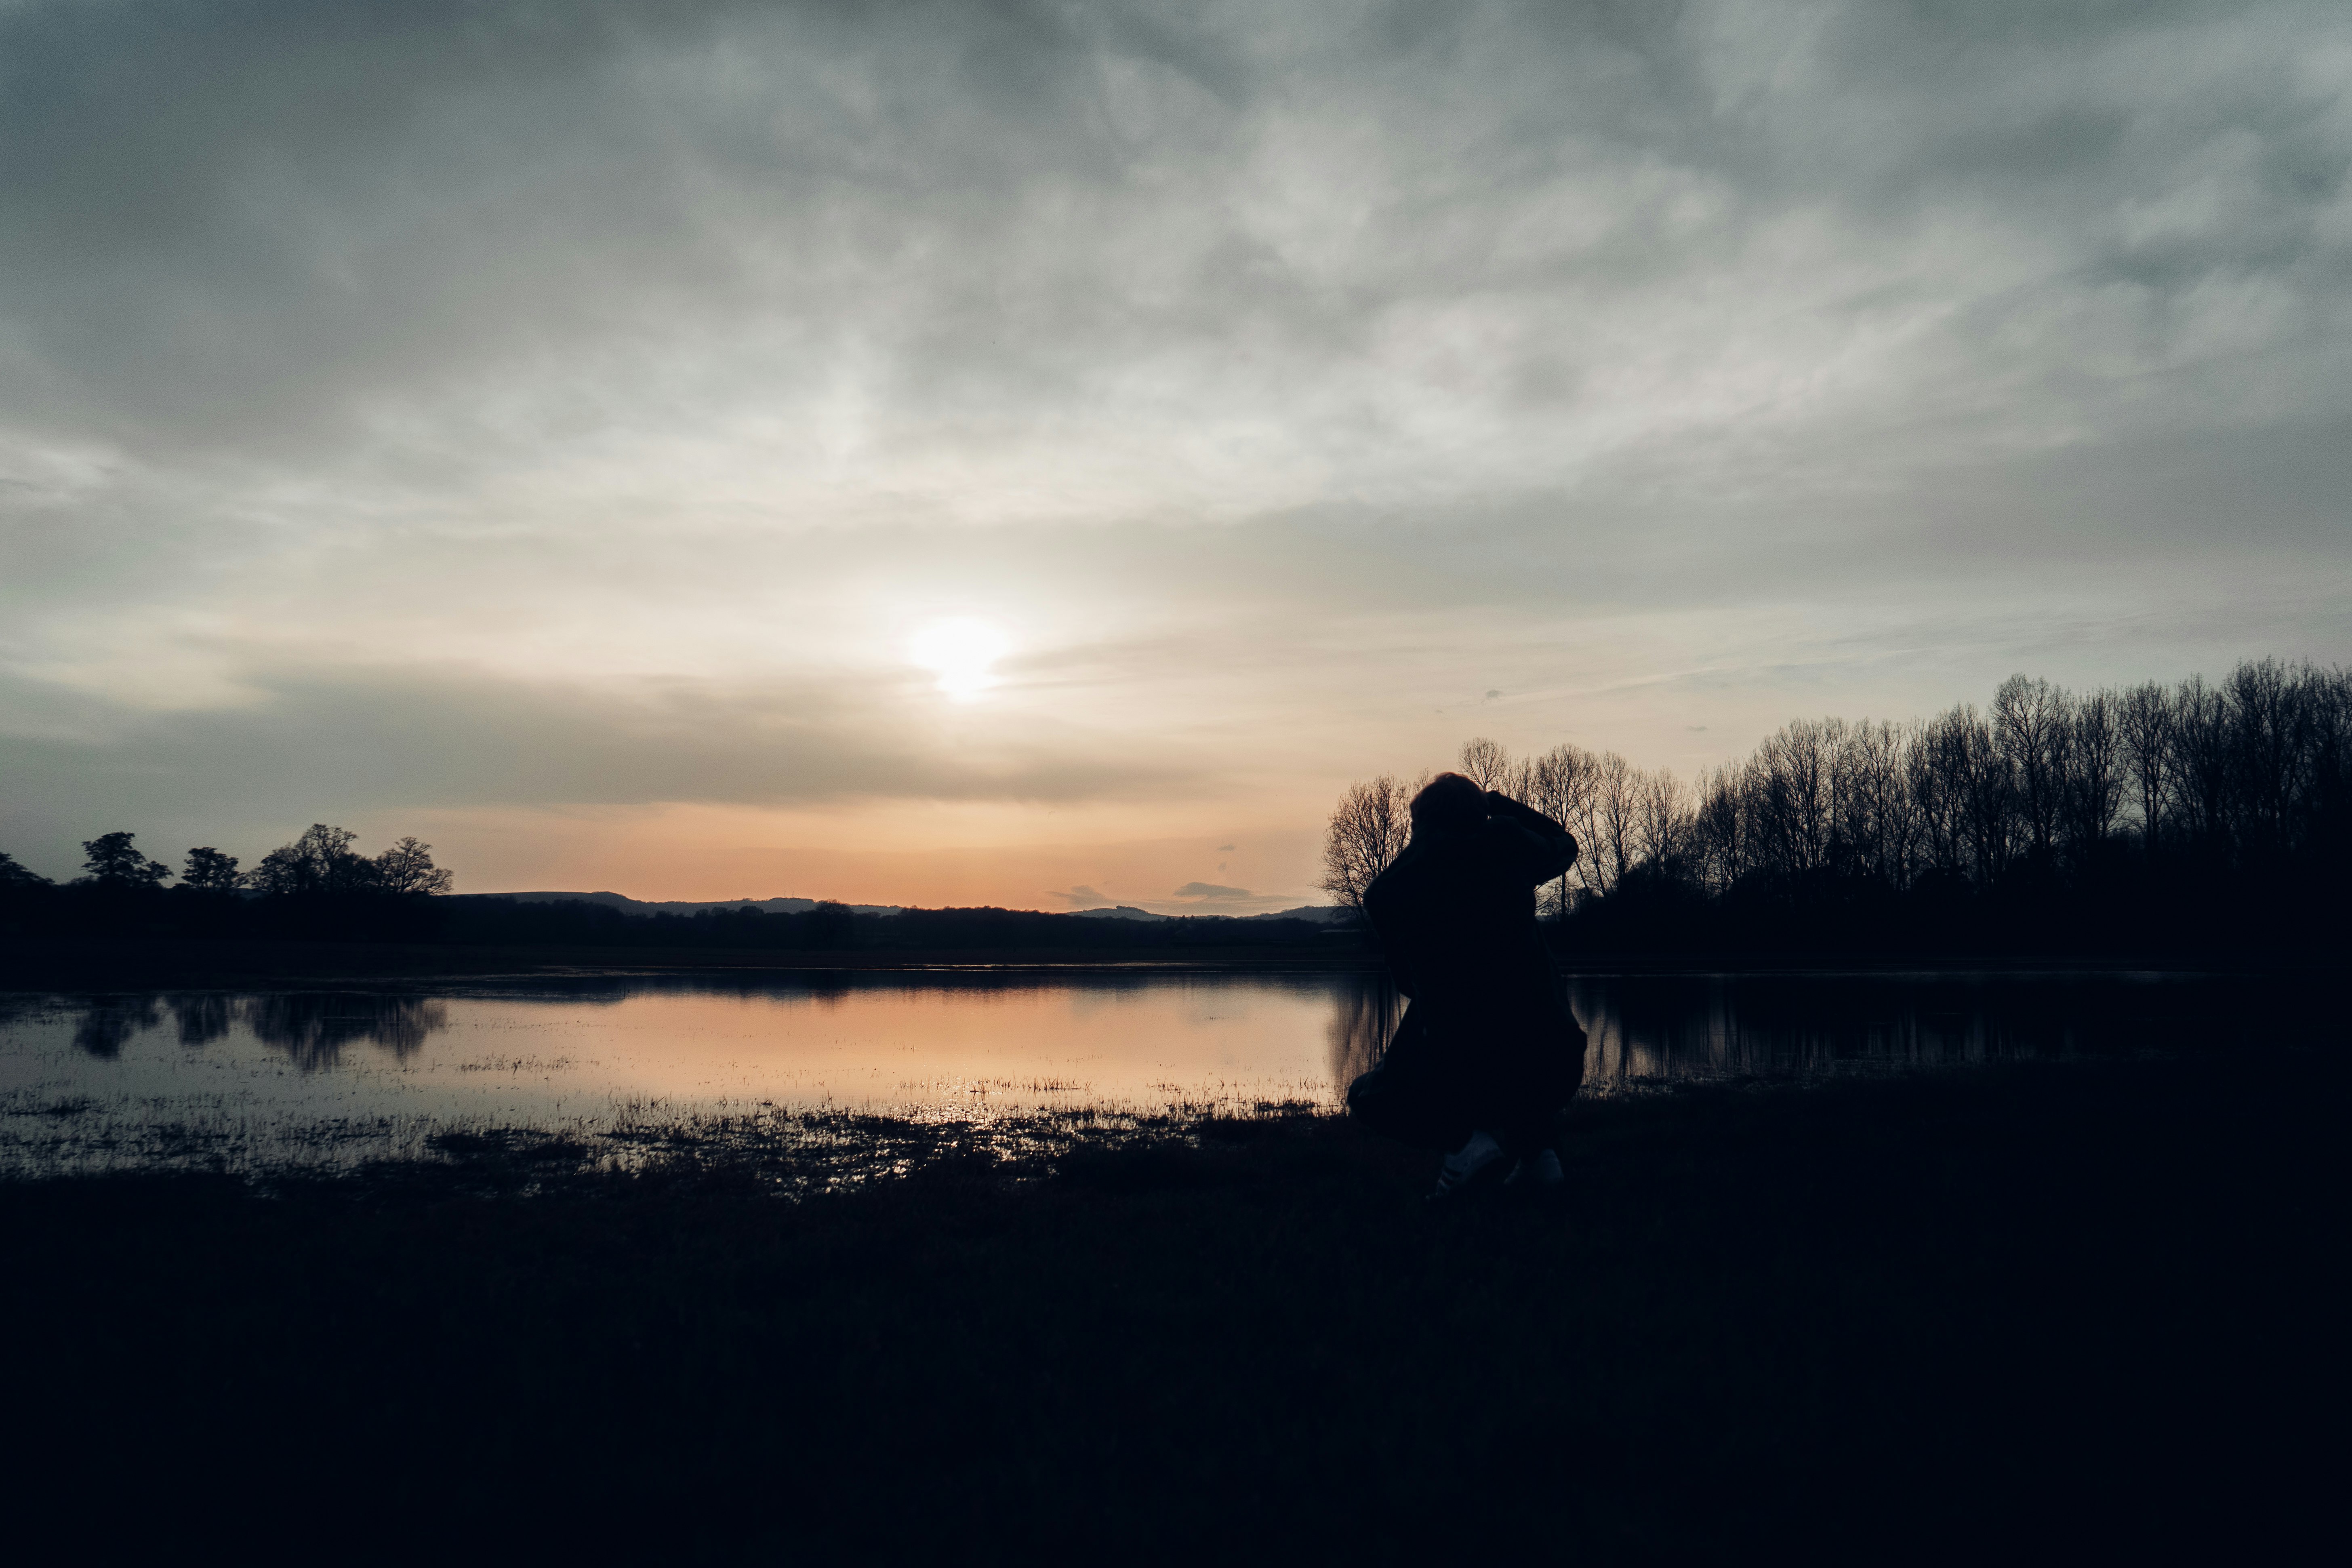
2033 1308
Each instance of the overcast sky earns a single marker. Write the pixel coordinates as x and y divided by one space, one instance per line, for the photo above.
563 432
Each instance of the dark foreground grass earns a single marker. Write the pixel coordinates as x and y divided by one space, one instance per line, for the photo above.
2081 1309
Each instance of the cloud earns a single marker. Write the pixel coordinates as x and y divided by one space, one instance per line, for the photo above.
1083 897
1210 892
369 736
424 404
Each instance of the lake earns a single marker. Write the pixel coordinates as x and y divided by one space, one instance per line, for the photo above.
255 1081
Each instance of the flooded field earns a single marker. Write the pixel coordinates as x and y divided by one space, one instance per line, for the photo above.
331 1077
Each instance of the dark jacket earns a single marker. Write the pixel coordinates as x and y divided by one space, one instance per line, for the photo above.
1456 913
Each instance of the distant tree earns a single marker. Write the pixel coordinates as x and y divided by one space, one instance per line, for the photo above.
1487 763
210 871
2267 726
114 862
2200 736
1878 825
1661 815
407 867
2032 726
2096 772
1798 808
13 875
1609 841
320 861
2146 723
1559 784
1370 827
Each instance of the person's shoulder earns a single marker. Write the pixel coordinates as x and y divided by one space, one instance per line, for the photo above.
1500 834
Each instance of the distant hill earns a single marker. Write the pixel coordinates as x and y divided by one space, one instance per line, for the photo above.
629 906
1320 914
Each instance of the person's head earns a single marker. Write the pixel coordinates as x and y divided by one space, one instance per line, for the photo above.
1448 801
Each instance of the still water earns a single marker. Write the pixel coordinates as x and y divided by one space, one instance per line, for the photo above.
257 1081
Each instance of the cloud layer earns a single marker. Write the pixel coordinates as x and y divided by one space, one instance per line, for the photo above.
448 408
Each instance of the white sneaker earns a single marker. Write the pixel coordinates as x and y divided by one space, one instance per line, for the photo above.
1466 1164
1539 1172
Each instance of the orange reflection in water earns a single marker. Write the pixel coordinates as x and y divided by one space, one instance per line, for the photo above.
916 1047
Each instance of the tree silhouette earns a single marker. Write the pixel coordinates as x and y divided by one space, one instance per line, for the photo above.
114 862
2234 799
320 861
407 867
13 875
211 871
1368 828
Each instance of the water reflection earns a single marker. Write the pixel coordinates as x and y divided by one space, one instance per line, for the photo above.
313 1028
1364 1013
113 1081
1641 1027
1655 1029
310 1028
203 1016
109 1023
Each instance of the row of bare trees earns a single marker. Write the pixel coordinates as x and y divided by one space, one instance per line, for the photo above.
2249 772
1622 816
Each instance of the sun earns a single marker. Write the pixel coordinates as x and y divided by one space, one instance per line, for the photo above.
959 651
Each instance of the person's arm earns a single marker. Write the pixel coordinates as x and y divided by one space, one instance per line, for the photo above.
1553 850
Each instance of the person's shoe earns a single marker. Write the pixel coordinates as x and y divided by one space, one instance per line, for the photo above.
1539 1172
1479 1158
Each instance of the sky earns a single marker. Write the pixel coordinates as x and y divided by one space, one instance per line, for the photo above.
1039 455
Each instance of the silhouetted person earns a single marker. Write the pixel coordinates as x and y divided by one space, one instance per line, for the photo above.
1487 1055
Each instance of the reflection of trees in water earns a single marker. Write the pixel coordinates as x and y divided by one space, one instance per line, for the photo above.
1363 1015
110 1021
1666 1027
313 1028
203 1016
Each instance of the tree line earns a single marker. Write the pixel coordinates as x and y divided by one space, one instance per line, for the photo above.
319 885
490 921
2190 812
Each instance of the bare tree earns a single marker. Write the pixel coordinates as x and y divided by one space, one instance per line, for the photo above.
1368 828
1613 823
1797 806
1873 827
1487 763
2094 773
1722 841
1661 815
2266 721
2144 721
407 867
2199 733
2033 728
1560 785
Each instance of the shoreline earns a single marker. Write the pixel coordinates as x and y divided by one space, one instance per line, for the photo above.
37 967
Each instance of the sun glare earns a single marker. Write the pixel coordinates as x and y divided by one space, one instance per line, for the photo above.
959 651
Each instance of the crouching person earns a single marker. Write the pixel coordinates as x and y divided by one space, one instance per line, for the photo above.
1487 1056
